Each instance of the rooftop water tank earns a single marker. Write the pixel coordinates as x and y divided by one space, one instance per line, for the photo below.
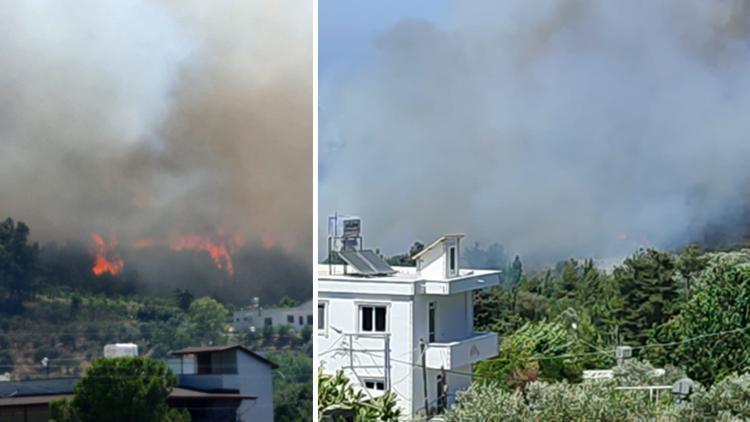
119 350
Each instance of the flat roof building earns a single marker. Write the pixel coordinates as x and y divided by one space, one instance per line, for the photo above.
380 324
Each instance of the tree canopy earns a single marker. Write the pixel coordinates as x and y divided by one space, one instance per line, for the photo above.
18 265
121 390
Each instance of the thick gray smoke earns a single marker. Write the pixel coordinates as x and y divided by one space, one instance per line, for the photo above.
558 128
150 118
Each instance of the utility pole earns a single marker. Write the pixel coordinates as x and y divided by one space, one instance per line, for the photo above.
442 391
424 378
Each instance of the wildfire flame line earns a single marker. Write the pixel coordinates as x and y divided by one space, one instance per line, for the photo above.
218 249
105 259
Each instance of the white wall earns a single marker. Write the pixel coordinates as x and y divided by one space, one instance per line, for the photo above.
343 316
256 379
451 317
432 263
407 323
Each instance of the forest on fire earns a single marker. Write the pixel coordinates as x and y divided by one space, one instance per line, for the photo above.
105 267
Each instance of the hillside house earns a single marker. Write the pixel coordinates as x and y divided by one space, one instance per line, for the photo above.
379 324
256 317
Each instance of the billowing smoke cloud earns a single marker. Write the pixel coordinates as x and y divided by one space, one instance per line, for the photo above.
558 128
150 118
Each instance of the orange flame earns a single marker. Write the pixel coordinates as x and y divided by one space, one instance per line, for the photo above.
218 247
218 250
106 260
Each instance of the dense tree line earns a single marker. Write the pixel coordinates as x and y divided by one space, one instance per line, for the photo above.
27 268
686 311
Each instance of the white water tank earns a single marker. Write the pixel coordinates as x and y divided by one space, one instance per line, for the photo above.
119 350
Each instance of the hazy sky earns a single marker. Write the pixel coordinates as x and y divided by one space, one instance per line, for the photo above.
558 128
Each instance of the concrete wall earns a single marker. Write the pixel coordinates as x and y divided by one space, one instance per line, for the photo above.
453 317
432 263
407 324
256 378
342 311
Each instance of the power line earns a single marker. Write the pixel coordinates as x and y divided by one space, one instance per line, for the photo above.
577 355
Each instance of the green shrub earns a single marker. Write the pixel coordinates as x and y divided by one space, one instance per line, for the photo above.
337 397
560 401
518 363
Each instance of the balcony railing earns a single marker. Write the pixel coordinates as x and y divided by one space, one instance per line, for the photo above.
458 353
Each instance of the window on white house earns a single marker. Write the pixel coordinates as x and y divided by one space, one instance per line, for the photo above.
452 260
309 320
290 319
375 384
321 316
372 319
301 320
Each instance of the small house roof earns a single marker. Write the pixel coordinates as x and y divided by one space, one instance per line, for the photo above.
189 393
218 349
437 242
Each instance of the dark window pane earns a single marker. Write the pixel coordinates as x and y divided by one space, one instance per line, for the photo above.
453 259
309 320
290 319
366 318
380 319
268 321
431 322
321 317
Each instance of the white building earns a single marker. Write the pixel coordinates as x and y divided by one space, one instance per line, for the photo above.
371 324
257 317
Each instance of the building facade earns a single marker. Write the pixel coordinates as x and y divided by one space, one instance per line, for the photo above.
230 369
393 332
226 383
256 317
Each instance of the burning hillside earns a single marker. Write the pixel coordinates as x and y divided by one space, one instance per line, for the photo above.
149 145
219 247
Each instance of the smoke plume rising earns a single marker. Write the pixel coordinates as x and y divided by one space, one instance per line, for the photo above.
558 128
158 119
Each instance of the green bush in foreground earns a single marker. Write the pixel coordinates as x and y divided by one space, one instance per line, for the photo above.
338 400
560 401
121 390
727 400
